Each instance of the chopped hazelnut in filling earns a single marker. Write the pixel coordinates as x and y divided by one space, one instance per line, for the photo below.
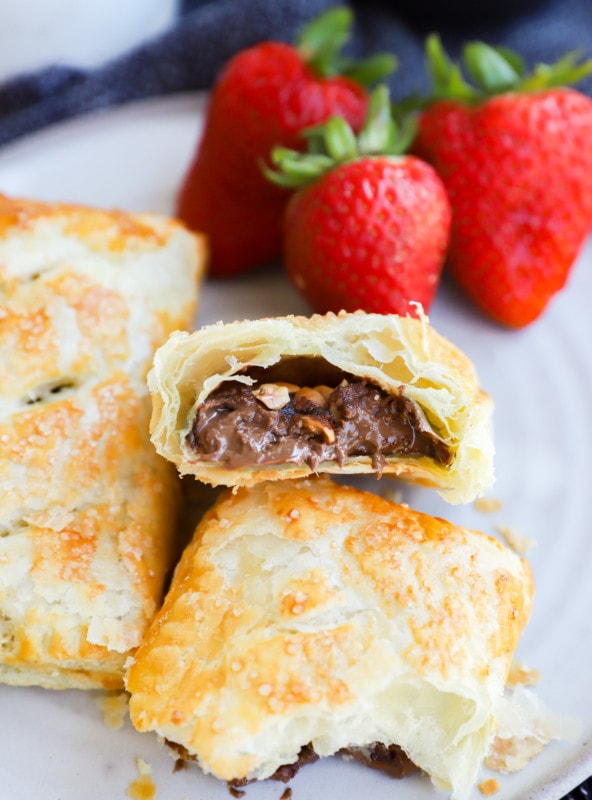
275 423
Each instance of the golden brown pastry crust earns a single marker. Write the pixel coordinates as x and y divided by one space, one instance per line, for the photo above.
87 509
304 611
392 351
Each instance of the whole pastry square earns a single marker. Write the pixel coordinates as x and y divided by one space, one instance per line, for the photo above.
87 509
288 397
306 614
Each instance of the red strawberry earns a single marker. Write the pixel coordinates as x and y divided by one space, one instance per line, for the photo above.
370 233
518 170
264 97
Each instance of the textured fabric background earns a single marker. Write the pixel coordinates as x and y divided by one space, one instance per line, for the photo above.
208 32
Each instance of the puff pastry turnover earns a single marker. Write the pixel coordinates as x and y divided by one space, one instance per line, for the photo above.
286 397
87 509
309 617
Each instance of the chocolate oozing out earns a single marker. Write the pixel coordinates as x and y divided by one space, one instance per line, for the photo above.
386 758
234 428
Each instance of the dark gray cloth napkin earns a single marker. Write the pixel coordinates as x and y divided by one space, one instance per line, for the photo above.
208 32
189 56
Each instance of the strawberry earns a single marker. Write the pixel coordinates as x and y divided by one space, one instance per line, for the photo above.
515 154
264 97
371 229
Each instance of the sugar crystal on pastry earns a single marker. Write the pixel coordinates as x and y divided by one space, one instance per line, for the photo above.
310 617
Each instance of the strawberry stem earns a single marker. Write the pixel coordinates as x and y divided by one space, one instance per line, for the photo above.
321 40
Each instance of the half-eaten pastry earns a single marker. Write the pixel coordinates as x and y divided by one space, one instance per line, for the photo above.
287 397
87 508
307 619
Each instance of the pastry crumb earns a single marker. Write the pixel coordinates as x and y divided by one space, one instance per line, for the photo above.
114 707
512 755
489 787
393 495
487 505
519 544
144 767
143 787
522 674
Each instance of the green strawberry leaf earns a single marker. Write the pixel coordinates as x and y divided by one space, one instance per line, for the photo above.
371 70
315 139
406 133
491 71
564 72
447 78
439 66
321 40
489 67
340 140
379 130
295 168
513 58
335 143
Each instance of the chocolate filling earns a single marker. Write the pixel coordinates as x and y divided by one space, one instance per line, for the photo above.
386 758
234 428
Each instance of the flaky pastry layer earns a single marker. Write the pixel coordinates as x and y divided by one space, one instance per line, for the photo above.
397 353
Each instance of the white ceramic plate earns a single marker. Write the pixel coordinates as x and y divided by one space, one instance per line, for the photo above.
56 745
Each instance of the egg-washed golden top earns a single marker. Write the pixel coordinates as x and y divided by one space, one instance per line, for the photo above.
87 509
83 291
305 611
